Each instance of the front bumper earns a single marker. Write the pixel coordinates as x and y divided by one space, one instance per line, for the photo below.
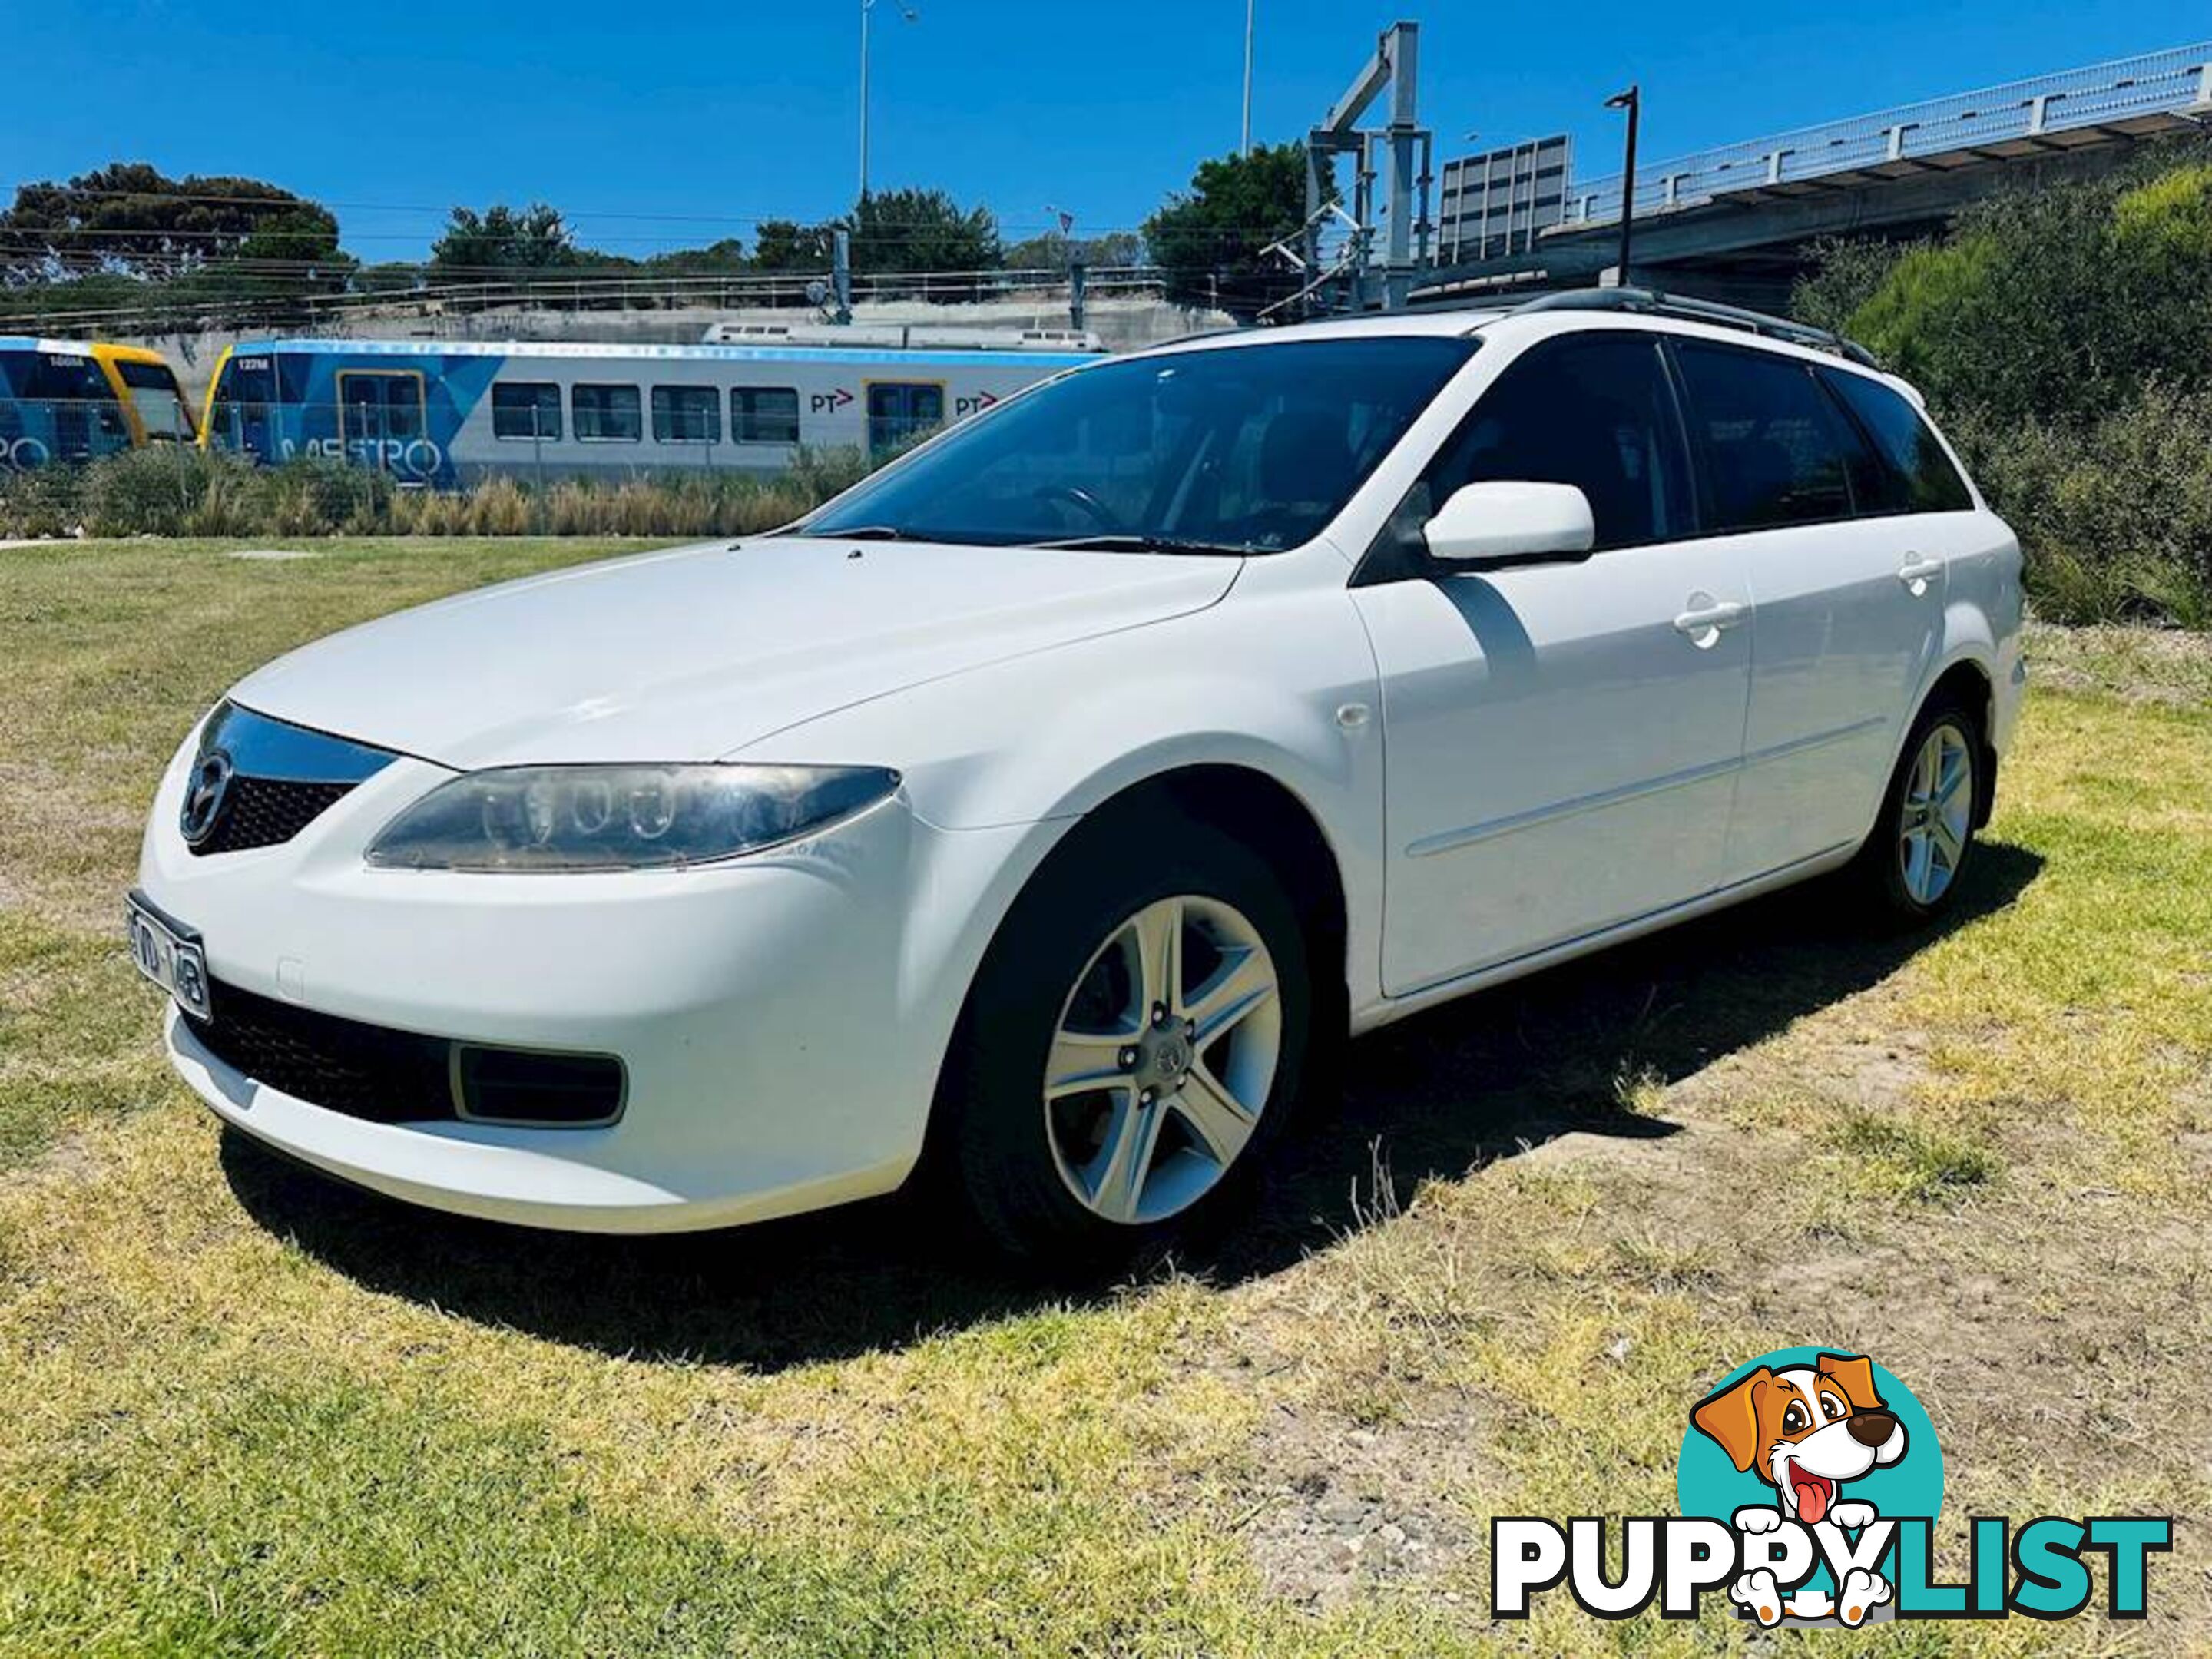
781 1018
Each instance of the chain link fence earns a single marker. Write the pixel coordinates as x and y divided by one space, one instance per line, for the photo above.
38 431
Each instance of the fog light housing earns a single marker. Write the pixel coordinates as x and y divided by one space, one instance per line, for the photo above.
525 1088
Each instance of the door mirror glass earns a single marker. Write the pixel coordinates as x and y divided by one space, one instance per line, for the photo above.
1497 523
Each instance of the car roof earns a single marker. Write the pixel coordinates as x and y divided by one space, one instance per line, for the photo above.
1509 324
1416 325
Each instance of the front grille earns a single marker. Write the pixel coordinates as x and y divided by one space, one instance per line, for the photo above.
257 782
383 1076
267 812
363 1070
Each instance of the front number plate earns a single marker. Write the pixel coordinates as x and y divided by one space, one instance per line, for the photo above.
171 955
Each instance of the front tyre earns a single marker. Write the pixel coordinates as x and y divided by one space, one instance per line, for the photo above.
1920 845
1134 1041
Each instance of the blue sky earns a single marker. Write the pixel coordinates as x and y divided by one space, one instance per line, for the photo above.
666 127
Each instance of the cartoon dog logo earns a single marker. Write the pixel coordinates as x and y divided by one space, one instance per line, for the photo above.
1805 1431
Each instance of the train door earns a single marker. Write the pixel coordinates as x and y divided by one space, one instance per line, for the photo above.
901 410
243 414
380 414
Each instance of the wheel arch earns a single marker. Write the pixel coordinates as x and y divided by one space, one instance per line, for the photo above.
1266 815
1968 679
1255 808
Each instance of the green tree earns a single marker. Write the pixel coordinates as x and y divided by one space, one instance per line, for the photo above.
716 259
502 237
1208 240
787 244
892 230
923 230
130 218
1053 252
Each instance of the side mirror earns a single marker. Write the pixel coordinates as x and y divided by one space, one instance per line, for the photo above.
1489 526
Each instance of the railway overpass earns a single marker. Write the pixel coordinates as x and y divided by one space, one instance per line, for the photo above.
1733 222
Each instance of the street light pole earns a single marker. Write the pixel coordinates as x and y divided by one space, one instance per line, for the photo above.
1633 101
866 6
908 14
1244 146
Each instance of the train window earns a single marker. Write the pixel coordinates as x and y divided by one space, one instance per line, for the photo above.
160 405
686 415
764 414
528 409
380 404
606 413
64 377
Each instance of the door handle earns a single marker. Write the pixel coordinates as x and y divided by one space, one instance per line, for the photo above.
1705 622
1915 573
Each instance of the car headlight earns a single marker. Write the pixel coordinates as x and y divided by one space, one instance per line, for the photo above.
620 817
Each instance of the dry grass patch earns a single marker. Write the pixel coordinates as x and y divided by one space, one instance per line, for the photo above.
253 1413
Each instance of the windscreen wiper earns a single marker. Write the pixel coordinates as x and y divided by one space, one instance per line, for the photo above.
868 532
1136 543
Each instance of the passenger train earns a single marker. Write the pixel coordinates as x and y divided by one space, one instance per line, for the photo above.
446 413
68 400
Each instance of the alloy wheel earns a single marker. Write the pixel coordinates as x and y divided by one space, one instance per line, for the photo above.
1937 813
1163 1059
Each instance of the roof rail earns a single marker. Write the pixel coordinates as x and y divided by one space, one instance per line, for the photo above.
1651 302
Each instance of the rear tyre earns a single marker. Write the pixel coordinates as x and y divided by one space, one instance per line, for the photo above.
1923 841
1133 1044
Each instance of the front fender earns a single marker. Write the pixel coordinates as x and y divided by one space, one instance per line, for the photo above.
1281 683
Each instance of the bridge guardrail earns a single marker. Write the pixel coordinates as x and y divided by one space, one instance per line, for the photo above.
2169 83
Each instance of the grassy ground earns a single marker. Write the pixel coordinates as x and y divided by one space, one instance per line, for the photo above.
247 1412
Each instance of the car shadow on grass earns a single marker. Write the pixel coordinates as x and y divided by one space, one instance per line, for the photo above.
1442 1094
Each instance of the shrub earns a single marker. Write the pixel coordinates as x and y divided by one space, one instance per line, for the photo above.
46 500
2115 514
144 492
2047 329
164 491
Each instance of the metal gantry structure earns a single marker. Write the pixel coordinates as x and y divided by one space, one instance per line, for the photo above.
1334 252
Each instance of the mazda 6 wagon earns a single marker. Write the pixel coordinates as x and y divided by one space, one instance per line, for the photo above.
1041 811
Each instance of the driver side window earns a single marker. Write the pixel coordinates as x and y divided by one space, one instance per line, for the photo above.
1593 411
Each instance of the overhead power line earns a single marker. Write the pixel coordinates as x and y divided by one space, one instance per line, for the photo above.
203 234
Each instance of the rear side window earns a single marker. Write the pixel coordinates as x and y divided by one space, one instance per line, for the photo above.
607 414
527 409
1593 410
1776 451
1913 473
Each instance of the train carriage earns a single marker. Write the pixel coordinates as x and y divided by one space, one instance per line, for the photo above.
66 401
443 414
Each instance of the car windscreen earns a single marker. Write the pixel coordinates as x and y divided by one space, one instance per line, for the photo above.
1241 448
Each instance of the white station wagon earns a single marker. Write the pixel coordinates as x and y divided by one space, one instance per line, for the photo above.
1039 810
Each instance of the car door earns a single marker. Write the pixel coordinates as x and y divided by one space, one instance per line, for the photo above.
1850 600
1561 740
